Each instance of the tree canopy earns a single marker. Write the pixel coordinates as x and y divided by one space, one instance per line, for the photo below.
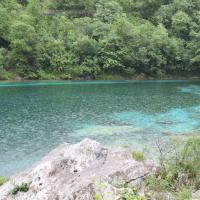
47 39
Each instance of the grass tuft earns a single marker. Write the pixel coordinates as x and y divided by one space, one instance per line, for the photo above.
3 180
138 156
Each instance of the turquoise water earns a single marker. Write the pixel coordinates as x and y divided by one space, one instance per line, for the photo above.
37 116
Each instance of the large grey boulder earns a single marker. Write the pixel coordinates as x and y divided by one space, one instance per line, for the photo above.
80 171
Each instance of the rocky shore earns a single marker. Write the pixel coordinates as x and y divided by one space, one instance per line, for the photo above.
81 171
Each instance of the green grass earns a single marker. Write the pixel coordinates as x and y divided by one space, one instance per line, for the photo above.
3 180
131 194
184 194
138 156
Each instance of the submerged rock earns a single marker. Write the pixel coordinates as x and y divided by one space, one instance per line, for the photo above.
80 171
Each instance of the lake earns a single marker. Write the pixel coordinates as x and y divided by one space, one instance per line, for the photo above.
35 117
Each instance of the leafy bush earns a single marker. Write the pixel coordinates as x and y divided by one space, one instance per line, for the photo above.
5 75
130 71
45 75
24 187
66 76
108 76
158 184
180 168
83 71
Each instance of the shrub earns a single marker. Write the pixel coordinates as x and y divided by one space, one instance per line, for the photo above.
158 184
109 76
66 76
42 75
180 168
130 71
5 75
83 71
24 187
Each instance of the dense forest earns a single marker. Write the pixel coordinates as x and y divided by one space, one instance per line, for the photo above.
50 39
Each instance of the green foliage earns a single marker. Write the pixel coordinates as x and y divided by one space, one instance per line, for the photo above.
181 23
4 26
45 75
133 197
108 11
138 156
131 194
6 75
75 8
52 55
23 44
85 48
179 173
184 194
3 180
158 184
124 37
124 193
97 197
24 187
23 2
83 71
109 76
2 58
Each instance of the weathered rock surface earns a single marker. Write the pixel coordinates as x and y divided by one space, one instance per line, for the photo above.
79 171
196 195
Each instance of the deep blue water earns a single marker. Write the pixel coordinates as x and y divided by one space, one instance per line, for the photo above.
37 116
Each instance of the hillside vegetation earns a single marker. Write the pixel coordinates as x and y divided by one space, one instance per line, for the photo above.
49 39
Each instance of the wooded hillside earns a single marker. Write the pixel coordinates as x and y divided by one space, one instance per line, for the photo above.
48 39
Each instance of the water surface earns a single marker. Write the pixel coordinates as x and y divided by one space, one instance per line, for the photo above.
37 116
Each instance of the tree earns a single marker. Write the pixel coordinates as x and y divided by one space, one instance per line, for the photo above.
84 38
2 59
77 8
194 47
4 27
84 48
23 44
108 11
23 2
164 15
181 24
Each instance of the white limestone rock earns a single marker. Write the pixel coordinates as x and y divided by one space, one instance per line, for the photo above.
79 172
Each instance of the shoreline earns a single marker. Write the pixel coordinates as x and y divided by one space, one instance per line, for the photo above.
90 170
122 78
106 76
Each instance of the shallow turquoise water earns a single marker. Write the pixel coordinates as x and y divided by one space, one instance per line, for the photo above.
37 116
